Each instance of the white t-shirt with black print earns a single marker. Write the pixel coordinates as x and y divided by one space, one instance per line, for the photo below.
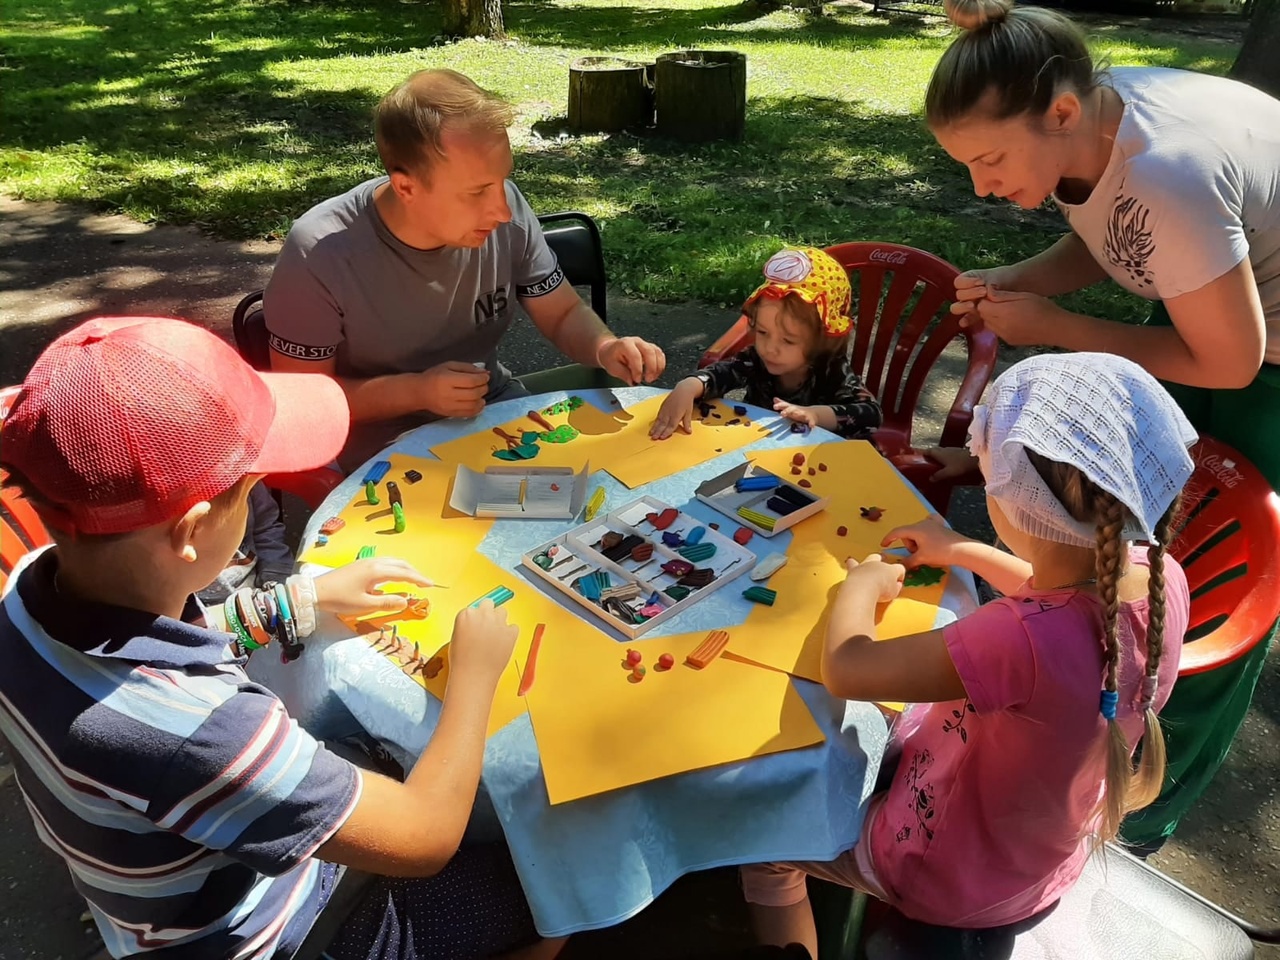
1192 188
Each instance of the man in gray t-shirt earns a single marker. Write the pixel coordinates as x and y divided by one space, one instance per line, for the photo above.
402 287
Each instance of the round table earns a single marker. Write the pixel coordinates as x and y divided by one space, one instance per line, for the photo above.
596 861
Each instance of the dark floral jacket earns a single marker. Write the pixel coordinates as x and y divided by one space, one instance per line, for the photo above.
831 384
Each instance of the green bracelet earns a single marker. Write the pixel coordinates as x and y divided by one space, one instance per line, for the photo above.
233 622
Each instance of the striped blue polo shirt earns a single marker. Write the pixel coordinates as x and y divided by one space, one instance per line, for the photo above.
186 803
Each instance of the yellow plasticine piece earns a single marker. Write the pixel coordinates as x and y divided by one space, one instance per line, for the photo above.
759 519
594 504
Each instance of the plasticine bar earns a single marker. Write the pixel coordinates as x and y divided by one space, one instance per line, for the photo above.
765 481
499 596
759 519
377 471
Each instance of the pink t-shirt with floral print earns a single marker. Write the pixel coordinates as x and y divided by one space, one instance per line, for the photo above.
983 823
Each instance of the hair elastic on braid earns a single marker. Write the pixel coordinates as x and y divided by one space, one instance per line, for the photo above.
1107 704
1149 687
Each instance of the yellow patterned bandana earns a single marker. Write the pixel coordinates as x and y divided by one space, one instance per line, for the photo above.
814 276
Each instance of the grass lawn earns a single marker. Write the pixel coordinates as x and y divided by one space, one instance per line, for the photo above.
239 114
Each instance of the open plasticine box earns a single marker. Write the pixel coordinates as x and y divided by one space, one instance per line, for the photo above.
767 511
621 568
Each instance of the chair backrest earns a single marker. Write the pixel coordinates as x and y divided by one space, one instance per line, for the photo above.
902 326
249 329
575 240
572 236
20 529
1228 541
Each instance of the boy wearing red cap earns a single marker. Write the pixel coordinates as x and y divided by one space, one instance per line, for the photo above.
196 818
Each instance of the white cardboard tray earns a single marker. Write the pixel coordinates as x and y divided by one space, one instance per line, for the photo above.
578 554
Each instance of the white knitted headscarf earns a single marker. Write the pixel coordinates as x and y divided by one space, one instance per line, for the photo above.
1100 413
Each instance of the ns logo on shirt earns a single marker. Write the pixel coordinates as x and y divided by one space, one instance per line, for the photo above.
491 306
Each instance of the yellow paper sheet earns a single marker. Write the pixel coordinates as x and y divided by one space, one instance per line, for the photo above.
598 731
526 609
789 635
435 535
596 432
635 459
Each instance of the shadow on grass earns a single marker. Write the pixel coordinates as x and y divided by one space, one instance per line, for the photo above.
812 170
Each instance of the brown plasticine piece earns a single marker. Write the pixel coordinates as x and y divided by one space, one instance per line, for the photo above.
798 460
813 472
805 483
822 467
708 650
642 551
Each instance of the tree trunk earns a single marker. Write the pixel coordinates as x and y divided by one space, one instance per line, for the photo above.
473 18
1259 60
701 95
608 94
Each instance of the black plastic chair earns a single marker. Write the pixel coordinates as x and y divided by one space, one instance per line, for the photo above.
1120 908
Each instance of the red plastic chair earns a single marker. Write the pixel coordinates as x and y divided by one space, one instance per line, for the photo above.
1228 542
20 529
902 327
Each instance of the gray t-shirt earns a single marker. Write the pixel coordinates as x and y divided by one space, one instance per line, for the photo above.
345 287
1192 189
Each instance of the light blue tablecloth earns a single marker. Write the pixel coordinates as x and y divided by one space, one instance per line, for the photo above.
597 861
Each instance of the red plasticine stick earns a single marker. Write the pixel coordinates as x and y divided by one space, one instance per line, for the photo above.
531 664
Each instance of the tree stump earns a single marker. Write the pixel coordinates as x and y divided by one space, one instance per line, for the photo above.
701 95
608 94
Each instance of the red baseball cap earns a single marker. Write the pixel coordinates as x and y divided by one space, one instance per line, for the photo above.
125 422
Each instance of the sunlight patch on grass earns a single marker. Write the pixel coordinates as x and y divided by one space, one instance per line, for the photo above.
239 114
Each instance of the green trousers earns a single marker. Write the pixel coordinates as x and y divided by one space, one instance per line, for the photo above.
1206 710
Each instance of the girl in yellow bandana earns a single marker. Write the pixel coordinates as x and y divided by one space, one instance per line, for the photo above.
799 363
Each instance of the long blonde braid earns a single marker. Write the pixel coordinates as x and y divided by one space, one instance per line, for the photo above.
1149 778
1125 790
1109 514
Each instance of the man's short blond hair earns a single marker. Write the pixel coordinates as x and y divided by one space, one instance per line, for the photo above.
411 119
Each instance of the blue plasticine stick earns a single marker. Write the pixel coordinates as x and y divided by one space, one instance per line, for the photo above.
765 481
695 535
377 472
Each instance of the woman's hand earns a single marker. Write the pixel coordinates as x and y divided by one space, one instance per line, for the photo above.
676 412
974 285
1019 319
930 542
353 590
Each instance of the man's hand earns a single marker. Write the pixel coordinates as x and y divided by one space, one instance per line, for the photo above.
454 389
798 414
631 359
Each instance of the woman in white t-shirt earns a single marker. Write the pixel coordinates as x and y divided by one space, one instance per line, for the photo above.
1170 182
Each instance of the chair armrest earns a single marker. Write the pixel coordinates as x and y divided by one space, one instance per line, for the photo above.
978 373
311 486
